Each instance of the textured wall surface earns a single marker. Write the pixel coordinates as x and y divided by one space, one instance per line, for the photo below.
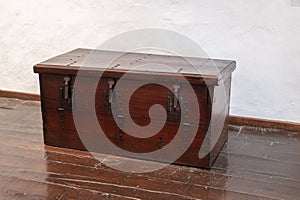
262 35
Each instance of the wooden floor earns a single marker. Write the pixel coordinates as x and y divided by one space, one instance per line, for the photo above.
262 164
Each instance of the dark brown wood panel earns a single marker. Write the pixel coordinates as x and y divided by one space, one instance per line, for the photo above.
144 97
219 122
139 103
63 133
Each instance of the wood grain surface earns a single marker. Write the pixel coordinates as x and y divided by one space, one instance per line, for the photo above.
115 64
253 164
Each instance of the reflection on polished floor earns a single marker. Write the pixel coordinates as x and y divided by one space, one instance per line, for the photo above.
254 164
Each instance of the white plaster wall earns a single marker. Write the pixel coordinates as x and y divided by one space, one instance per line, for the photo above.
262 35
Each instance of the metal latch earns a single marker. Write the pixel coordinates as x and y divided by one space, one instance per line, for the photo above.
66 91
111 83
108 94
176 88
173 105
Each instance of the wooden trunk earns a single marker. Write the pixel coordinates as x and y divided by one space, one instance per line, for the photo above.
194 92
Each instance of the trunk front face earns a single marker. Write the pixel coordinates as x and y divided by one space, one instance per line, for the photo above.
120 110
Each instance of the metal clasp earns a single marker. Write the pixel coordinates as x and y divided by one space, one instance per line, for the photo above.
108 94
111 83
173 105
176 88
66 91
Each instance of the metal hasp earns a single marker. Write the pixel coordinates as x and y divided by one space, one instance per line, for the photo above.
111 83
176 88
108 94
66 91
173 106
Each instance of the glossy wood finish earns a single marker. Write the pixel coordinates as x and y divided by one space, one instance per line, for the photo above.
206 82
90 62
142 99
60 130
254 164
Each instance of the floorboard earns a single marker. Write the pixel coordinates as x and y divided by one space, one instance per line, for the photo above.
254 164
